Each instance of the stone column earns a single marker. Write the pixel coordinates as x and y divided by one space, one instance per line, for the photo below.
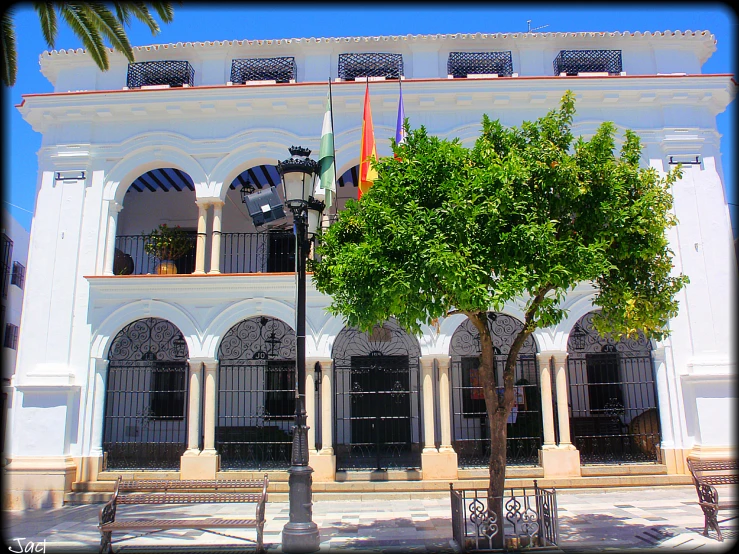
89 467
564 460
192 466
427 390
323 462
215 241
113 209
547 406
202 235
671 455
209 463
310 403
436 464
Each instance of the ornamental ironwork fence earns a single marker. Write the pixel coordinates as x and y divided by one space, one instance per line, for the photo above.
373 64
573 62
529 520
470 428
256 395
172 73
281 70
145 422
462 64
376 399
613 398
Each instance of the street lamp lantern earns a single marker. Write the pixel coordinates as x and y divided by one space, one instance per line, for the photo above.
298 174
300 535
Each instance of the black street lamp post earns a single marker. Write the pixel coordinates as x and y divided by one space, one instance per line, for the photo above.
300 535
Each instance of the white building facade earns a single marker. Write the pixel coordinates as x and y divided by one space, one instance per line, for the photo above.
122 369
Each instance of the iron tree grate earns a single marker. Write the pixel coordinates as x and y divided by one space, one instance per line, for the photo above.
375 64
573 62
281 70
461 64
172 73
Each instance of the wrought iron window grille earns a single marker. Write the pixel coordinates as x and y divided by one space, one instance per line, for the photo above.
280 70
463 64
160 73
373 64
572 62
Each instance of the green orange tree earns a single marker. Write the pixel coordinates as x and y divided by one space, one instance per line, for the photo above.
523 217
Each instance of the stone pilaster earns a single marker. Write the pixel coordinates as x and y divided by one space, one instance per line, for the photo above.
436 463
323 462
113 209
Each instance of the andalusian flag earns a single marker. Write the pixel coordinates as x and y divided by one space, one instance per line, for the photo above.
367 174
326 182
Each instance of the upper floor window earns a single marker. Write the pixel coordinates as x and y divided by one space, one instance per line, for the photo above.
279 70
7 257
462 64
160 73
572 62
18 277
373 64
11 336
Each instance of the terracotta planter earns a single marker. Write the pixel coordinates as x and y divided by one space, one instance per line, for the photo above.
166 267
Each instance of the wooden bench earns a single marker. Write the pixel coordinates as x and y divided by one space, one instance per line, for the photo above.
158 492
706 475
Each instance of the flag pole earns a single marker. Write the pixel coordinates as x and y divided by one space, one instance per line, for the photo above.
333 143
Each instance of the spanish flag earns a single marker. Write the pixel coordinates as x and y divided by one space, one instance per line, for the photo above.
367 174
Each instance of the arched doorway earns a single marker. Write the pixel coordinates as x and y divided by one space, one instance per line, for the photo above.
470 430
377 404
145 422
256 395
613 398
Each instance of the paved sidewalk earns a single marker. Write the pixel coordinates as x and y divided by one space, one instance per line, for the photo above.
636 519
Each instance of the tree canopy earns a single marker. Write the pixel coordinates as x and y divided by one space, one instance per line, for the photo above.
527 213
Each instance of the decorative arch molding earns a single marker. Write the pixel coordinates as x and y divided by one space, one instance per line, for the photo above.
387 339
120 318
592 342
239 311
465 339
148 156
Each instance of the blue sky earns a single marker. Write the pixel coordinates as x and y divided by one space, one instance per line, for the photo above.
207 22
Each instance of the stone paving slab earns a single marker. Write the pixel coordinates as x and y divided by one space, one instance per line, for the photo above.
590 520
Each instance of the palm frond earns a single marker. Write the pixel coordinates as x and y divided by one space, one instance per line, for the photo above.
74 15
121 13
164 10
47 16
103 20
141 12
9 59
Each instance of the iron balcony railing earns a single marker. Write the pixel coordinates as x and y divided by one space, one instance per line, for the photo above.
281 70
462 64
572 62
272 252
172 73
371 64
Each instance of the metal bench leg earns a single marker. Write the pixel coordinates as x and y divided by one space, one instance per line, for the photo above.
106 539
712 522
260 538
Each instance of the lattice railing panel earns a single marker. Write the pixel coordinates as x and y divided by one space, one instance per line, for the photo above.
172 73
573 62
373 64
281 70
461 64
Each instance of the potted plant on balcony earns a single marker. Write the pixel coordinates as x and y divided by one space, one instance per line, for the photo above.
167 244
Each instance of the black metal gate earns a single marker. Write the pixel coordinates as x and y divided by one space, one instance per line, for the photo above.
376 399
256 395
145 423
613 398
470 429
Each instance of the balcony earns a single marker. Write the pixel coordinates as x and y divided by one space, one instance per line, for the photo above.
273 70
372 65
465 64
160 74
575 62
271 252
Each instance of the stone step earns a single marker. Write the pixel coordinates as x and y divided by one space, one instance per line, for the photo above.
86 493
